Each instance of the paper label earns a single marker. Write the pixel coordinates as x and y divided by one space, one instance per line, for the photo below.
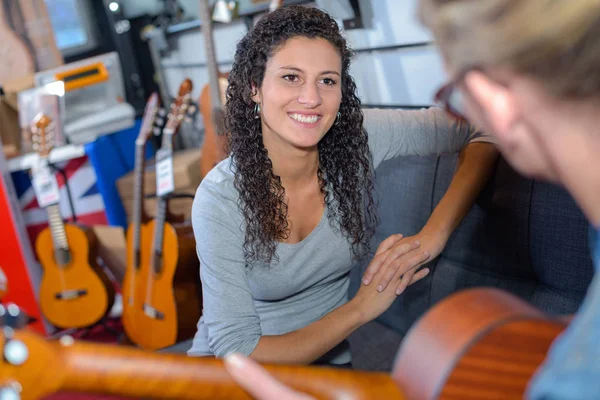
45 186
165 182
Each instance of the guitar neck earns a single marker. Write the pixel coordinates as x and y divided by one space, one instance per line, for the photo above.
138 195
211 58
57 228
134 373
161 214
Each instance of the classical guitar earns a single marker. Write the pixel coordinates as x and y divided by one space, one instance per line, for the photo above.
170 291
139 218
212 96
75 292
476 344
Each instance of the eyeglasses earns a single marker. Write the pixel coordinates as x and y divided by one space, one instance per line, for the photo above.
451 98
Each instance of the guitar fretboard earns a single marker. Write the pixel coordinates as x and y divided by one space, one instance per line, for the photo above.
57 228
138 194
161 212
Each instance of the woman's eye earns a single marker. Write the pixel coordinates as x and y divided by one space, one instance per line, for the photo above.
291 78
329 81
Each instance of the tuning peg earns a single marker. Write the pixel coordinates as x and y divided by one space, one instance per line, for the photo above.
11 316
160 121
12 391
14 351
35 146
156 131
192 109
162 112
188 119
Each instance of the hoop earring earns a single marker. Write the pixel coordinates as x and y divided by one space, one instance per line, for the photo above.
256 111
338 118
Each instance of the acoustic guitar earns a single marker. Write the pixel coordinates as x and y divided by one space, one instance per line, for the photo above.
212 96
476 344
139 218
169 284
75 292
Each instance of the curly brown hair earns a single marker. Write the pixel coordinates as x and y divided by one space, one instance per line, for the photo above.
345 164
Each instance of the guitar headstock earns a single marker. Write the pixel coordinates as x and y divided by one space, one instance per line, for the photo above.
25 355
180 108
150 118
42 134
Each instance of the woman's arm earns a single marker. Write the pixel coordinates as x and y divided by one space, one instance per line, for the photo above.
231 319
396 132
308 344
476 163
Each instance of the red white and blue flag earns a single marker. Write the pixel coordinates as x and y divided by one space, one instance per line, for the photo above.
87 200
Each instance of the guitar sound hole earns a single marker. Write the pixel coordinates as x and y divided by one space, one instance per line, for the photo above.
63 256
70 294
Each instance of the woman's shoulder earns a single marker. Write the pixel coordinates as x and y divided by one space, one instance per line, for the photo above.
378 118
216 191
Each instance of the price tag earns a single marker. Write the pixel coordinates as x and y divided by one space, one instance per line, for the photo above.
45 186
165 183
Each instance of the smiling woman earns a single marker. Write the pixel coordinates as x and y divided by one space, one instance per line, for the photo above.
279 222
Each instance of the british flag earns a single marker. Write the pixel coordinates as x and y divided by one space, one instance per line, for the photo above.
87 200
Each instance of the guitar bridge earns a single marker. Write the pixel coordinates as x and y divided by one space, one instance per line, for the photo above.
70 294
153 312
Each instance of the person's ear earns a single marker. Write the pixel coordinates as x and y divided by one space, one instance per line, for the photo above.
496 103
256 95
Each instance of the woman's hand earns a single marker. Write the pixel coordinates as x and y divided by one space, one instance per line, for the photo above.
370 301
402 259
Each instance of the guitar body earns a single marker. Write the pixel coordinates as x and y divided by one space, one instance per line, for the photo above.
82 276
213 145
175 292
476 344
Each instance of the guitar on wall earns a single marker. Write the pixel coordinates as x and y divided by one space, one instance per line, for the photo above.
212 96
169 282
475 344
138 225
75 292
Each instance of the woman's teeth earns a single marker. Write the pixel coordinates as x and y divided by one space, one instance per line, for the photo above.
307 119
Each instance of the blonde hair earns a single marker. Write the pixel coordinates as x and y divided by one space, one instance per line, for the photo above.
557 41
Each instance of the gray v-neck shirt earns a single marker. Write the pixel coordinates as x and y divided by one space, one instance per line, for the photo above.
311 277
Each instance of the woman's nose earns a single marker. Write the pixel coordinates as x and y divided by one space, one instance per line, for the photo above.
310 96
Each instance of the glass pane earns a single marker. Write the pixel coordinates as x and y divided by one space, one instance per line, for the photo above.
68 23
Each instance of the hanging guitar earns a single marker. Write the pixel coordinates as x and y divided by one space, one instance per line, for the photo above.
75 292
169 281
139 218
212 96
476 344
